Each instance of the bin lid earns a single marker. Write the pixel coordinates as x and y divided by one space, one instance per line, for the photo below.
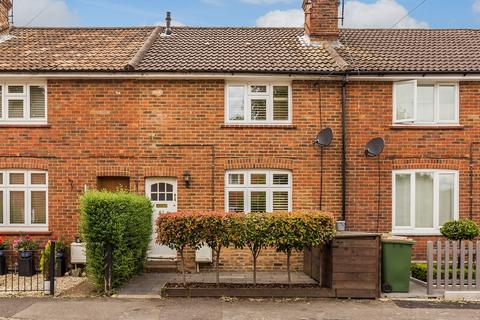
397 239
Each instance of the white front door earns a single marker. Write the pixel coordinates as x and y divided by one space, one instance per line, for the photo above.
163 194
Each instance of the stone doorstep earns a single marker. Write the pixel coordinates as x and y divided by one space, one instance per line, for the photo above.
462 295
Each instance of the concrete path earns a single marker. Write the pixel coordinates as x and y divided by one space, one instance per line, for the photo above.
215 309
149 285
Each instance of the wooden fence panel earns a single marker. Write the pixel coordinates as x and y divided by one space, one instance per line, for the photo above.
464 260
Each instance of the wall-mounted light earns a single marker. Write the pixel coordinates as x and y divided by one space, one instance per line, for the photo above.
186 178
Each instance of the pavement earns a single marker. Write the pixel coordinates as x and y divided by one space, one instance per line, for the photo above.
232 309
149 285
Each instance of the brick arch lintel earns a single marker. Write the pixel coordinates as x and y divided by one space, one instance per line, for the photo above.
259 163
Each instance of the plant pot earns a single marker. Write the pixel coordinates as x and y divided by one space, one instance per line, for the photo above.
46 286
3 263
26 264
60 265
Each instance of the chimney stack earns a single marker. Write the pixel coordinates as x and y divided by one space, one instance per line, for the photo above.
5 6
321 20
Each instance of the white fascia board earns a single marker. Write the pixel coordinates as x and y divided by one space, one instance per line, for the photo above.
134 75
403 77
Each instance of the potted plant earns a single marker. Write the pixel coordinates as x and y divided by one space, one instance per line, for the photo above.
4 245
45 266
26 251
60 258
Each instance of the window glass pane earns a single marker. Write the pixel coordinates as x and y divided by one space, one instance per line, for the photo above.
280 103
17 178
38 178
161 197
17 207
235 178
402 200
258 89
169 187
404 96
258 178
447 98
280 179
446 197
259 109
424 200
258 201
15 109
154 196
425 103
236 103
169 196
1 206
162 187
236 201
280 201
154 187
1 178
37 102
15 89
39 207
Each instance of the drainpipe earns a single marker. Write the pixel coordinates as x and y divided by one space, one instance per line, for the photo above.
341 223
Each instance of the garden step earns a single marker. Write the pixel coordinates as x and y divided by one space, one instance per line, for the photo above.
161 266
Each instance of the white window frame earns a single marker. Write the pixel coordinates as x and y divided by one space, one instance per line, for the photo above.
411 230
436 121
251 96
25 96
27 187
247 187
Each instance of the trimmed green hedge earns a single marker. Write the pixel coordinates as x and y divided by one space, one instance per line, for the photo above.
124 221
419 271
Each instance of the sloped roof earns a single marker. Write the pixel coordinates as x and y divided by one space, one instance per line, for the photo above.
71 49
253 50
411 50
237 50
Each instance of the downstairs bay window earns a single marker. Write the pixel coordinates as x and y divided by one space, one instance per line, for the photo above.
425 103
423 200
258 191
23 200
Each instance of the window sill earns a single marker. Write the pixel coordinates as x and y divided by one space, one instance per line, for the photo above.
416 233
425 127
24 125
258 126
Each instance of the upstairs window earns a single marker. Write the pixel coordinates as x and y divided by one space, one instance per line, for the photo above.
23 200
22 103
258 191
425 103
258 103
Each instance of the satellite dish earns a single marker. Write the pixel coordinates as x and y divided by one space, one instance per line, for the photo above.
324 138
374 147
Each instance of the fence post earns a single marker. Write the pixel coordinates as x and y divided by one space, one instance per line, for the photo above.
429 267
52 268
108 269
447 264
454 265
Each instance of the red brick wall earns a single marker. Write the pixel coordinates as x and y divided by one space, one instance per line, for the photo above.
162 128
369 116
144 128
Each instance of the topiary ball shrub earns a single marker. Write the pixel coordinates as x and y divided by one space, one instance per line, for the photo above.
463 229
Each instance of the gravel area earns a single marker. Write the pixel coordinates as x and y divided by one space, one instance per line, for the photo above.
13 285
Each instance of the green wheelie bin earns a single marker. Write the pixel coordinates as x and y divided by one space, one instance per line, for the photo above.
396 260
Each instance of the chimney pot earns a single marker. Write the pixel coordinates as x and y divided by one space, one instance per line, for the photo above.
321 20
168 24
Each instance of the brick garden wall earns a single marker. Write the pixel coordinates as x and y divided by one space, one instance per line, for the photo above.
148 128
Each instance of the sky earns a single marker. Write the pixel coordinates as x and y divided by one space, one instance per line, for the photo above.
262 13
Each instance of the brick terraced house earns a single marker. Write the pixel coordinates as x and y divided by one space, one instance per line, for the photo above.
235 112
